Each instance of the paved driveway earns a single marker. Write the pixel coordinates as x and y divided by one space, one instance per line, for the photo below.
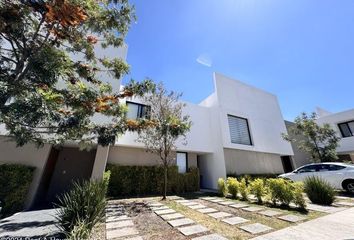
32 225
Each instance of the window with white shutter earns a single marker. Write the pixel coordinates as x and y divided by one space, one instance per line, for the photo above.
239 130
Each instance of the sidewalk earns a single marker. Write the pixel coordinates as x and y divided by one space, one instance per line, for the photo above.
338 226
30 225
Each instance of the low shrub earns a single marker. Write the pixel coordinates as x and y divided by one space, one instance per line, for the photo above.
80 209
222 187
145 180
232 186
280 190
15 181
319 191
243 188
298 199
258 188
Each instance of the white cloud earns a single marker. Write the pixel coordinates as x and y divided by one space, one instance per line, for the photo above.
205 60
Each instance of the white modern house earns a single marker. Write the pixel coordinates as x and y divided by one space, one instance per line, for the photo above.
343 123
235 130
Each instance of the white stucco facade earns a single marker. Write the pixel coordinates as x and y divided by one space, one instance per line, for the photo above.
209 136
209 145
346 144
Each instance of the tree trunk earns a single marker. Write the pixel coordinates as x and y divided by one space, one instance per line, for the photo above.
165 183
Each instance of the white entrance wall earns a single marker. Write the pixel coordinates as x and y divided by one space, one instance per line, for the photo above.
28 155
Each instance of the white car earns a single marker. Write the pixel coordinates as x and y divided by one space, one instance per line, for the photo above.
339 175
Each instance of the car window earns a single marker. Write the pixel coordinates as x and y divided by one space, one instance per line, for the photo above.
323 167
310 168
333 167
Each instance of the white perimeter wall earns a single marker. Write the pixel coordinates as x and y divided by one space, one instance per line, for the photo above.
346 145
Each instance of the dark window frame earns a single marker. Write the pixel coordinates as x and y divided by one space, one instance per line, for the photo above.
187 168
248 130
347 124
140 109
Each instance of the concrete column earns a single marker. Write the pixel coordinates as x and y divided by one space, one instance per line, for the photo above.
100 162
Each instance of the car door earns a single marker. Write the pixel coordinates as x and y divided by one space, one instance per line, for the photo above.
302 173
333 174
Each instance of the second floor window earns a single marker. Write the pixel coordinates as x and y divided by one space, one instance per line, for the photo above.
347 129
137 110
239 130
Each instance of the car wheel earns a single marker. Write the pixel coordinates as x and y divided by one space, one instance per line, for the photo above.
349 186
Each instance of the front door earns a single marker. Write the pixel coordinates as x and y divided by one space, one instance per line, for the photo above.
72 165
287 164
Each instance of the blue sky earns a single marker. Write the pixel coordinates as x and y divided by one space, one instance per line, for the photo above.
300 50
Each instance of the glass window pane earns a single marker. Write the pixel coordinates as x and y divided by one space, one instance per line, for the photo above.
311 168
132 111
351 126
333 167
182 162
239 131
345 130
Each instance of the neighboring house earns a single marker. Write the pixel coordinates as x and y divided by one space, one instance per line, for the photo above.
342 123
236 130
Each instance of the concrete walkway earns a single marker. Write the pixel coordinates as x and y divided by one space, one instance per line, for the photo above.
338 226
31 225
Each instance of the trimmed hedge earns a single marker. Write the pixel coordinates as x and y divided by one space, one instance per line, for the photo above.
14 181
145 180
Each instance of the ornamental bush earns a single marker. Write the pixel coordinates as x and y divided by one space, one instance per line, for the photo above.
258 188
222 187
15 181
243 188
232 186
298 190
280 190
146 180
319 191
80 209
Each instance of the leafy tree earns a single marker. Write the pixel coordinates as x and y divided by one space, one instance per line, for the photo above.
168 125
320 141
46 94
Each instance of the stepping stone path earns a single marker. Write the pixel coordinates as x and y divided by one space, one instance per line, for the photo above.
180 222
347 204
218 215
207 210
229 218
235 220
198 206
164 211
270 213
119 225
292 218
210 237
191 230
184 225
189 203
226 203
324 209
208 198
159 208
253 209
255 228
171 216
239 205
